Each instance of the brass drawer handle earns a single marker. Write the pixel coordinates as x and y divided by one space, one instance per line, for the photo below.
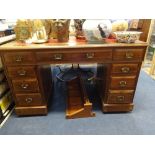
89 55
18 59
24 85
28 100
21 72
122 83
125 69
120 98
129 55
58 56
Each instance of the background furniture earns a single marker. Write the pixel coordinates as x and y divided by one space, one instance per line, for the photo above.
149 60
152 68
6 101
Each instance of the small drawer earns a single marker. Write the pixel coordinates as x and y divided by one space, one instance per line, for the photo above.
120 97
25 85
34 99
125 68
18 58
123 82
123 54
21 72
66 56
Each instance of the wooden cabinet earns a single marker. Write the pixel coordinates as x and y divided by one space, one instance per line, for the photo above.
28 72
118 88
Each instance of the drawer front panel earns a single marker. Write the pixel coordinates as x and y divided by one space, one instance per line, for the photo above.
21 72
18 58
29 99
25 85
36 110
120 97
125 68
123 82
73 57
128 54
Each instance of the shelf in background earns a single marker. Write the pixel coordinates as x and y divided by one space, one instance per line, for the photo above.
7 38
6 115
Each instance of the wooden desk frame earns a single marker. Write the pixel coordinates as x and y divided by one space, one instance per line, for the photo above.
27 69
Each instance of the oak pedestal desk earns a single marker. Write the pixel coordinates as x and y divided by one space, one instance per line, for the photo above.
29 75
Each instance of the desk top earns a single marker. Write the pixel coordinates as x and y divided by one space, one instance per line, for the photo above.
71 44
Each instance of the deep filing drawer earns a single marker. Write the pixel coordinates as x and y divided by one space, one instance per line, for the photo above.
34 99
21 72
18 58
123 54
25 85
125 69
120 97
74 56
123 82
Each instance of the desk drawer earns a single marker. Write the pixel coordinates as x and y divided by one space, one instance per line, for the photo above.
120 97
123 82
125 68
25 85
74 56
34 99
21 72
123 54
18 58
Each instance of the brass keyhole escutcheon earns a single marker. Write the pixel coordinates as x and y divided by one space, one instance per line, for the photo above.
123 83
24 85
120 98
125 69
21 72
58 56
90 55
28 100
18 59
129 55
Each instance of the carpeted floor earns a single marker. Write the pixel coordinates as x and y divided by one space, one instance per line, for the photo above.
140 121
